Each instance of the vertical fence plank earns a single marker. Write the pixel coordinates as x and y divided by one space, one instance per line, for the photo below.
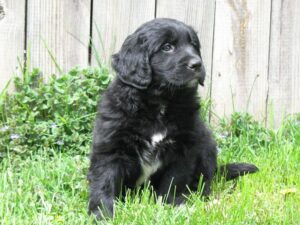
284 73
113 20
12 24
240 62
200 15
64 27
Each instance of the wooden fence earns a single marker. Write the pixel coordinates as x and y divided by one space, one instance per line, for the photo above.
251 48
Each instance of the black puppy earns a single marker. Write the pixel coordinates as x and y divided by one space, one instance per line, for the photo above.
148 127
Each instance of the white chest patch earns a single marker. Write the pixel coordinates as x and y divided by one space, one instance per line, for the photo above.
147 171
158 137
149 162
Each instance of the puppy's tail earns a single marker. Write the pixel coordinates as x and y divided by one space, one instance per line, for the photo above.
233 170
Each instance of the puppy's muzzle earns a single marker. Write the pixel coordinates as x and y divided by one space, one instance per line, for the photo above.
195 64
202 76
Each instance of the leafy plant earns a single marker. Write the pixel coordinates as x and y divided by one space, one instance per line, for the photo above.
290 129
241 135
205 105
57 114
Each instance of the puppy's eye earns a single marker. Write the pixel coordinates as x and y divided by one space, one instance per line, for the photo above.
168 47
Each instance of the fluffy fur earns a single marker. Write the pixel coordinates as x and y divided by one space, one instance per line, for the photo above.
148 127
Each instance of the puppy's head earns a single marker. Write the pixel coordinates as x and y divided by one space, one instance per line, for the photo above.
163 51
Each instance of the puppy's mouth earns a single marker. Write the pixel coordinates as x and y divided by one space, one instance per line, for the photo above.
200 76
184 77
185 81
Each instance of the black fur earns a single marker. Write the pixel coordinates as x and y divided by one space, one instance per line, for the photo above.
155 92
234 170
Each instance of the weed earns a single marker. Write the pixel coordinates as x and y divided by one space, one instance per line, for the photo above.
58 114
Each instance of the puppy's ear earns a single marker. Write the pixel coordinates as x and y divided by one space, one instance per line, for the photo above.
132 63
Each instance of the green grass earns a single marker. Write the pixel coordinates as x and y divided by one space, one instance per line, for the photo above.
52 189
45 136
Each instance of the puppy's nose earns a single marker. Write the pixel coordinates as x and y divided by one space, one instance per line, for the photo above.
194 64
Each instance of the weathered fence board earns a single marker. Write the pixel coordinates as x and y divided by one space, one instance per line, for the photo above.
200 15
240 62
284 72
251 49
62 27
12 24
113 20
